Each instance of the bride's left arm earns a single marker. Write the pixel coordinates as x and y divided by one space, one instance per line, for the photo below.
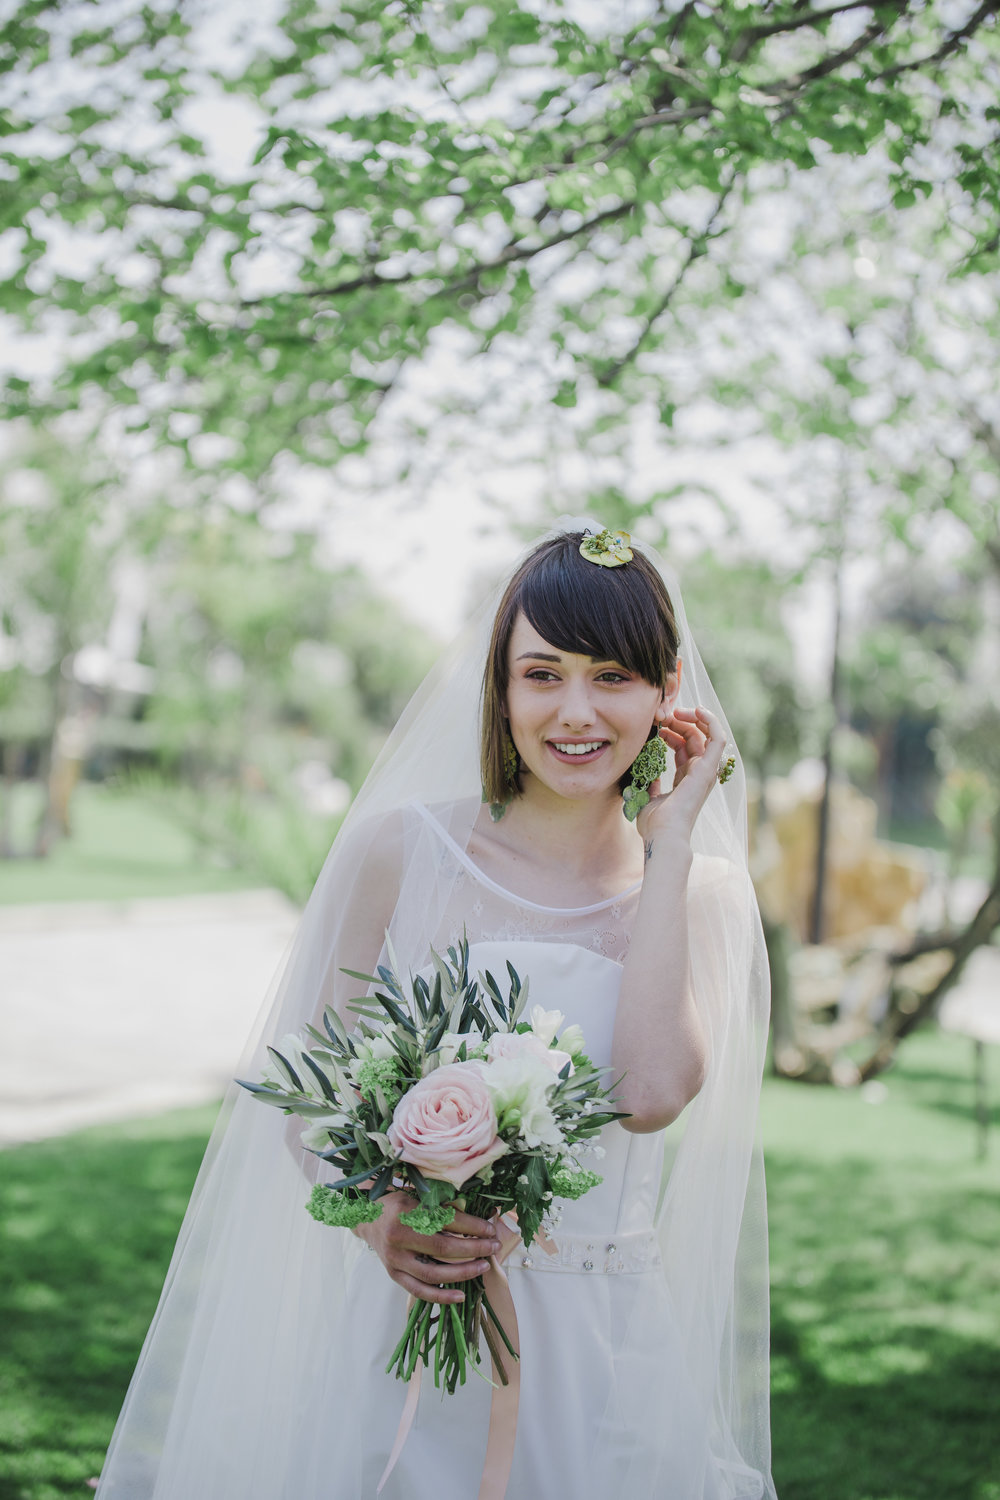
659 1047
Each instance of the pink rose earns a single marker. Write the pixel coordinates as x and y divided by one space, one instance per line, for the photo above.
506 1044
446 1125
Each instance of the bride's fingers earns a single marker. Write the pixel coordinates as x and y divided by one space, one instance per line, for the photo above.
434 1273
427 1293
690 740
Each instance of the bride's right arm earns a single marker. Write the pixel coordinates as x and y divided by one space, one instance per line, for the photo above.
344 927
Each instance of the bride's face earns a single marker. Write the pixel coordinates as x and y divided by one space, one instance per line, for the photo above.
577 723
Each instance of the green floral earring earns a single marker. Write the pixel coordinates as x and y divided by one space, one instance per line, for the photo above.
510 767
650 763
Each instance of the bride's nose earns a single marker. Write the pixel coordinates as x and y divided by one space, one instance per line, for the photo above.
576 710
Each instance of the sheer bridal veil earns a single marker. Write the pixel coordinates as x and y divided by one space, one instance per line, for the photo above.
224 1401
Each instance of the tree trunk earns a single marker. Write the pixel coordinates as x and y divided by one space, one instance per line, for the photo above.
817 919
784 1045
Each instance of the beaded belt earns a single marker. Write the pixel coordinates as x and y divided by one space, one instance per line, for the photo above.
628 1254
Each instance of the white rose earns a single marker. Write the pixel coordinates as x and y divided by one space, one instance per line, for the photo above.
519 1088
526 1044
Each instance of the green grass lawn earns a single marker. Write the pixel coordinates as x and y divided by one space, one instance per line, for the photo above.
885 1269
885 1249
122 847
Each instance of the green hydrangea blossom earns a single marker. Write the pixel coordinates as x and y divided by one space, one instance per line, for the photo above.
428 1220
566 1183
338 1210
380 1073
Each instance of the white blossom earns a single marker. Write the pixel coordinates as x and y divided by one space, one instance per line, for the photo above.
519 1087
545 1023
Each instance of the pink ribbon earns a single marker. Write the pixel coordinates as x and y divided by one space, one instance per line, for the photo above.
503 1406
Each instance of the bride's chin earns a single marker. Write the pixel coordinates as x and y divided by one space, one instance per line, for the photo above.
587 791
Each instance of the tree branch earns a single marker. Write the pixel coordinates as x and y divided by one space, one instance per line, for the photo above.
899 1023
833 60
513 253
697 247
949 45
754 34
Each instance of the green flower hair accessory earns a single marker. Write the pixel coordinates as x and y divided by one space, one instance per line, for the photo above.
609 549
727 768
330 1206
649 764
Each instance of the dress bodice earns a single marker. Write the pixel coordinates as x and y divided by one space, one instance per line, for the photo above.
572 959
584 986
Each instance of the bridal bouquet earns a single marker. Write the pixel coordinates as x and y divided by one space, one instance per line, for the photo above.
453 1096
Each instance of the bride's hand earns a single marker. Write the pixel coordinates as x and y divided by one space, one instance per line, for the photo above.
697 740
422 1263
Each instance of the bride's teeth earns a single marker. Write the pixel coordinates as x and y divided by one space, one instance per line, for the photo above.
579 749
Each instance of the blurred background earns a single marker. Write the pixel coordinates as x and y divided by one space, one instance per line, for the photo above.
309 319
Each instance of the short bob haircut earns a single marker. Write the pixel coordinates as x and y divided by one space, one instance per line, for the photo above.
621 614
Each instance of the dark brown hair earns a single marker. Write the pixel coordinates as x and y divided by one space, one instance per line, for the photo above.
621 614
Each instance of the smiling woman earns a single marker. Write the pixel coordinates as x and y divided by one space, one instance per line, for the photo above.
643 1319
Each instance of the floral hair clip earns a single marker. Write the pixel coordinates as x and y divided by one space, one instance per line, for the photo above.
609 549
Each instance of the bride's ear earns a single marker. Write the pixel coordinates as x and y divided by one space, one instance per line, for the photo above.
670 693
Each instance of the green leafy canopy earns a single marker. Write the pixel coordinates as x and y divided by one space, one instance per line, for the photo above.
259 226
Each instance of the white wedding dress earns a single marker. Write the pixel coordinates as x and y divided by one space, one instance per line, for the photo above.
644 1369
599 1339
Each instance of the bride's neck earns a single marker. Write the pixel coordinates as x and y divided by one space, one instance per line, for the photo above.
580 839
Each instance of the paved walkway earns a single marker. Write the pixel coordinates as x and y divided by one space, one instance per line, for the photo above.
110 1010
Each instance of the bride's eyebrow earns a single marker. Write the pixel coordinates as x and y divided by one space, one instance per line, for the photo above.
547 656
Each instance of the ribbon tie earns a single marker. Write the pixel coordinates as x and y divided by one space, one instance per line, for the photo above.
504 1403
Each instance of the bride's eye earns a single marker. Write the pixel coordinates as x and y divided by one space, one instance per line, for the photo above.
612 677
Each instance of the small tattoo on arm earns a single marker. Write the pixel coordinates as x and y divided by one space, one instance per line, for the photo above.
648 846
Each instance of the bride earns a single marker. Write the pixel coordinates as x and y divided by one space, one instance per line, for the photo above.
496 811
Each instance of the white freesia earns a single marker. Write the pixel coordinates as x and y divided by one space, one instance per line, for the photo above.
571 1040
293 1051
519 1088
452 1041
315 1137
373 1049
545 1023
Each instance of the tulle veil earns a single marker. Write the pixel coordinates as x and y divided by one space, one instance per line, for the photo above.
223 1404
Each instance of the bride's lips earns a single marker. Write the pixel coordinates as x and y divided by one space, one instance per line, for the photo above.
572 758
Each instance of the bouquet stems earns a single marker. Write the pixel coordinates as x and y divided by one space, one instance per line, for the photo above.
447 1334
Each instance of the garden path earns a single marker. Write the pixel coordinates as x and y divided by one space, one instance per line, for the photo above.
114 1009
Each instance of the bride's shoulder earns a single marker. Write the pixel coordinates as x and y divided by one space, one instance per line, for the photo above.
385 838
